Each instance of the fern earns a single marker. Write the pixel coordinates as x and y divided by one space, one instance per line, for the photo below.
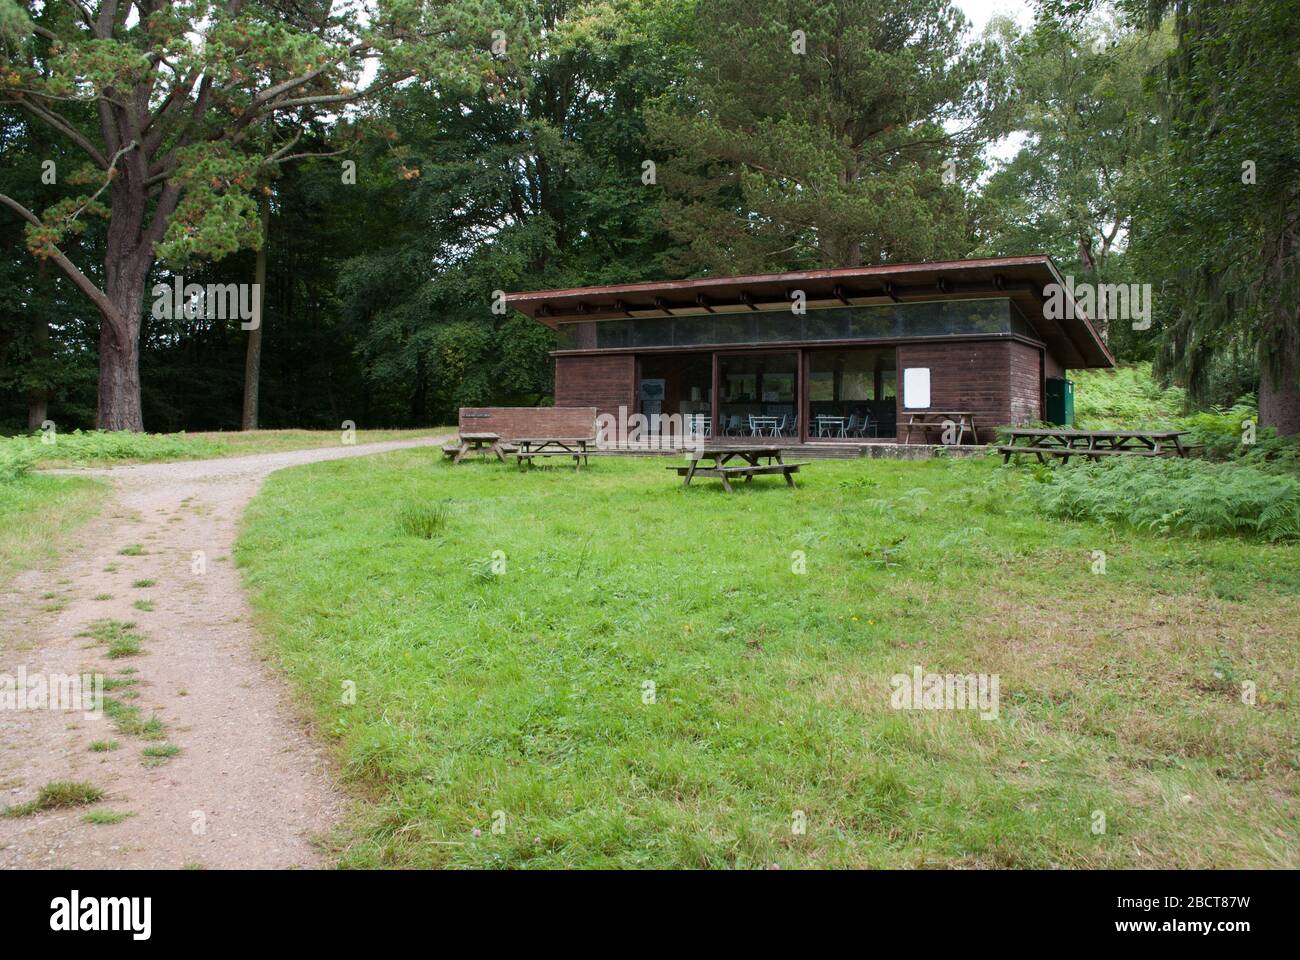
1184 496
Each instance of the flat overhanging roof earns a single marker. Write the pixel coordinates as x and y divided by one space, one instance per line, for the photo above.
1073 340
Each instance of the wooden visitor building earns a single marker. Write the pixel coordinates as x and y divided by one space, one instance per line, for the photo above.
870 345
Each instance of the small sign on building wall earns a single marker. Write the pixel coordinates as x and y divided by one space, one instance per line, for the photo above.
916 387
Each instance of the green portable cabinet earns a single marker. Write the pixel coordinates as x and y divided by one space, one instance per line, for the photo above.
1060 401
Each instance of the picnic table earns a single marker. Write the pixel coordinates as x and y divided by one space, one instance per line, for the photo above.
484 442
529 448
1066 443
830 425
928 420
721 456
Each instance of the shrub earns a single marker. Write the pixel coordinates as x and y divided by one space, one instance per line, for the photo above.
1220 432
1190 496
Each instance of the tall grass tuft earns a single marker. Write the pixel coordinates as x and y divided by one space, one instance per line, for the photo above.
423 520
87 447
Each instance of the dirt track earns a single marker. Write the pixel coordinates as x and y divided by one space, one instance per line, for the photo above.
248 788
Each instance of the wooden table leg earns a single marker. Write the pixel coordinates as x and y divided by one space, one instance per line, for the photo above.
695 462
464 449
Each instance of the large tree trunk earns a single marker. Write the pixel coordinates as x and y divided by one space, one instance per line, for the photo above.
119 339
127 259
253 357
1279 395
38 398
119 378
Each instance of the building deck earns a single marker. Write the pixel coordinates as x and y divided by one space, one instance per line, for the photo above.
842 450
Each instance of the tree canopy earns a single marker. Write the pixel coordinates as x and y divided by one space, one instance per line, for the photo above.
407 161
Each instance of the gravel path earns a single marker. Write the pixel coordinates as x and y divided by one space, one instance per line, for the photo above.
248 788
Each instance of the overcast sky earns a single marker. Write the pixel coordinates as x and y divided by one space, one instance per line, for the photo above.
978 12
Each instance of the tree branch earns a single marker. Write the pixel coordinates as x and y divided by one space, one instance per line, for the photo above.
73 273
107 181
52 119
82 13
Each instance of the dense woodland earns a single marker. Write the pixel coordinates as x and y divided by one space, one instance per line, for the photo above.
382 175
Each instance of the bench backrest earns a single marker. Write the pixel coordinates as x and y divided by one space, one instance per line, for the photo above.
512 423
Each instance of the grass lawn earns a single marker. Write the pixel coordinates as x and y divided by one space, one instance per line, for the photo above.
98 449
518 698
238 443
38 516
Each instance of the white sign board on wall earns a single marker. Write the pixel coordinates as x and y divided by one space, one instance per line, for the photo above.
916 387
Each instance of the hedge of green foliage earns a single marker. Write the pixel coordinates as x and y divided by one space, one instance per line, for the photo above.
1188 496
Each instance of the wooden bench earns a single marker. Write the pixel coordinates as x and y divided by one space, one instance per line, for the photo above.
484 443
1065 453
453 449
749 472
527 449
521 458
1064 443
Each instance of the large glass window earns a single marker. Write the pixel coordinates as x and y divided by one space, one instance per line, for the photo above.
758 393
994 315
676 383
851 394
